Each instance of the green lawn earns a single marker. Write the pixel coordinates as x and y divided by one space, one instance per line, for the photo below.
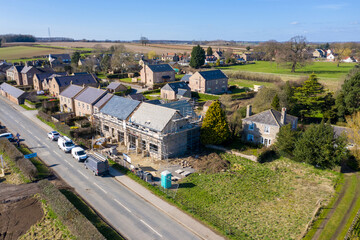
273 200
248 83
322 69
28 52
128 80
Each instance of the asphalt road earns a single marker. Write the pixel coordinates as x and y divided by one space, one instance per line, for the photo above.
129 214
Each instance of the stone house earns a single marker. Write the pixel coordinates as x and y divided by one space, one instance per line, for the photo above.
137 97
248 57
39 79
58 84
28 73
175 90
263 127
12 93
114 87
14 73
152 74
84 102
319 53
218 54
214 82
59 59
67 96
153 130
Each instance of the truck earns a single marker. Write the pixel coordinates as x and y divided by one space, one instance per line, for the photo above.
97 164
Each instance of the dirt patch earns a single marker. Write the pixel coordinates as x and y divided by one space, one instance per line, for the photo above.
12 193
17 217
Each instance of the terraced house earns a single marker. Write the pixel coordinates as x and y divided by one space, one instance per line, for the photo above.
153 130
58 84
84 102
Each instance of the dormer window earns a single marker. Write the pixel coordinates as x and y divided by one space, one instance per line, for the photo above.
251 126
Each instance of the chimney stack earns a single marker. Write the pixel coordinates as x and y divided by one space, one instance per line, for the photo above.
283 116
248 111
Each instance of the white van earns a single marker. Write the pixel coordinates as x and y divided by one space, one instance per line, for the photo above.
65 144
78 153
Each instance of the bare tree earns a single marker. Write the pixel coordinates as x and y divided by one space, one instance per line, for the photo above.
267 50
294 53
341 50
144 40
121 58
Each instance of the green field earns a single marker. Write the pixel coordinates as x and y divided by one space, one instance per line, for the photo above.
19 52
248 83
273 200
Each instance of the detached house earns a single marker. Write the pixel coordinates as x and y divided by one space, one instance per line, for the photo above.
214 81
263 127
14 73
152 74
58 84
175 90
84 102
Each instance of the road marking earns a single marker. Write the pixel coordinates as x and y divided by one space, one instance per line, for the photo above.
101 188
122 205
69 163
37 138
57 154
150 227
83 174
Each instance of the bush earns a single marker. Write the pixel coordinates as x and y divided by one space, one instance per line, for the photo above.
67 213
25 165
119 75
260 77
61 127
267 155
151 91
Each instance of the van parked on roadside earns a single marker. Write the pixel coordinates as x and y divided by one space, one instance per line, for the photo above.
65 144
78 153
98 165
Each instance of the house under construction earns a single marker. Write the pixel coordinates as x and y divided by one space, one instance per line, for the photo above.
159 131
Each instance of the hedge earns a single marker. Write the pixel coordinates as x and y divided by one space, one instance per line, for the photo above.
25 165
79 226
260 77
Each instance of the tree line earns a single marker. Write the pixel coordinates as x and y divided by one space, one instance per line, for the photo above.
17 38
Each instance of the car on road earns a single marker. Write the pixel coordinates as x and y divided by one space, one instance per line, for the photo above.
8 136
78 153
98 165
54 135
65 144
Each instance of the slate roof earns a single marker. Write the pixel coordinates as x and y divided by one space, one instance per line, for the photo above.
183 106
270 117
90 95
11 90
26 69
152 116
175 86
17 67
43 76
120 107
77 80
137 96
212 75
155 102
182 92
103 100
114 85
71 91
186 78
160 68
62 56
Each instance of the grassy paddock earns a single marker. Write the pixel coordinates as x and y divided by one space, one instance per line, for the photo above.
17 52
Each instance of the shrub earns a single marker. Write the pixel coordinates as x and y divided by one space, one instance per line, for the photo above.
67 213
45 116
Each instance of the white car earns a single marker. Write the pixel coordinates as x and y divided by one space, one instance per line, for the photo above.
8 136
79 154
53 135
65 144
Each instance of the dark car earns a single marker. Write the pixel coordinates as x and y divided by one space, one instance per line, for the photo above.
97 165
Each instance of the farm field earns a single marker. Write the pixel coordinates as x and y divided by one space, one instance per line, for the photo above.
273 200
17 52
248 83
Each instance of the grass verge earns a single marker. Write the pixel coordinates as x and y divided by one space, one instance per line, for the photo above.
101 226
26 107
43 171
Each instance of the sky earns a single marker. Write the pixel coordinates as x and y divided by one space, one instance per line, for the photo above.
239 20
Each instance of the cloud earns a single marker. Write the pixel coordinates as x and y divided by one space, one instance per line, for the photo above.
294 23
332 6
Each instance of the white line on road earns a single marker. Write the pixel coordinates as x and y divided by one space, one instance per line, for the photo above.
150 228
122 205
36 138
101 188
57 154
83 174
69 163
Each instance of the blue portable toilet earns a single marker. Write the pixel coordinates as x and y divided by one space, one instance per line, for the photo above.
166 179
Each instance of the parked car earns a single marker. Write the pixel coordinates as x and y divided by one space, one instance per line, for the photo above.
78 153
65 144
9 136
99 166
54 135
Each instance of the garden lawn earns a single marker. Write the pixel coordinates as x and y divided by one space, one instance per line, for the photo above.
128 80
273 200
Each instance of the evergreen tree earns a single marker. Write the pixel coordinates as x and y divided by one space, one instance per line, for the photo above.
209 51
197 57
214 129
318 146
285 140
309 96
75 58
276 103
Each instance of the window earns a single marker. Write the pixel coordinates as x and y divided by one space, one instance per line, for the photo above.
61 98
251 126
153 148
88 107
120 136
106 128
267 129
79 104
143 145
250 137
83 105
